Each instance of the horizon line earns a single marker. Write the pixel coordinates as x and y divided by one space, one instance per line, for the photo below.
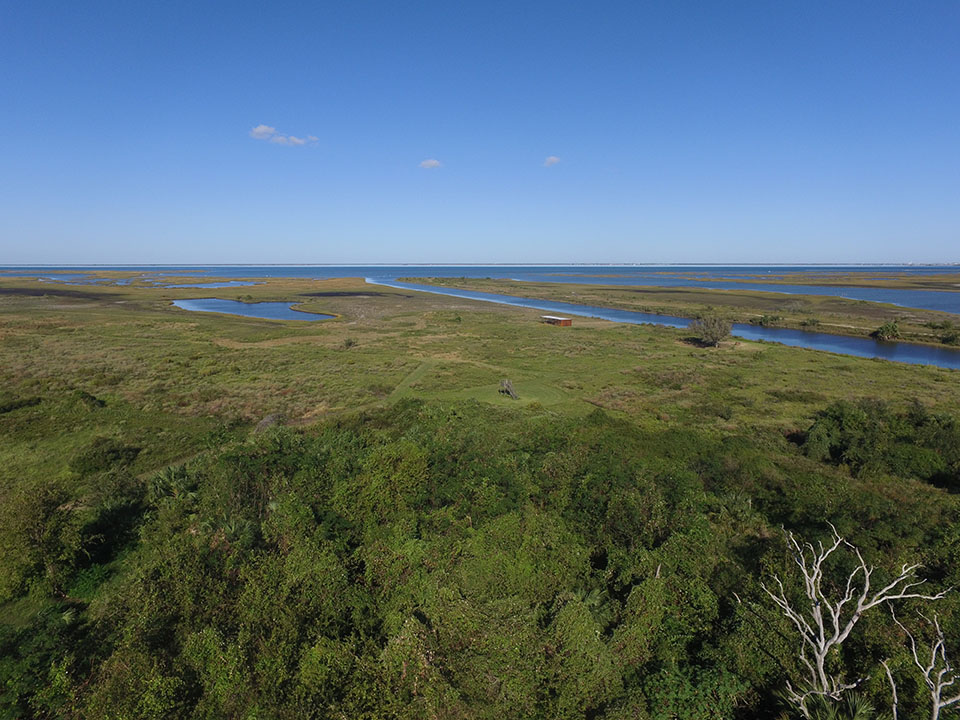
491 264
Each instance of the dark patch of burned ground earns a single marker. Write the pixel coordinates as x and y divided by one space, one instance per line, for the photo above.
352 294
54 292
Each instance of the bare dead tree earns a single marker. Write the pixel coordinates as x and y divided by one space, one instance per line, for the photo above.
825 618
938 674
895 701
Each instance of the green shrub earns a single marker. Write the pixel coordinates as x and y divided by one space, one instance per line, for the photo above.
767 320
102 454
868 437
711 329
887 331
86 581
11 404
676 695
90 401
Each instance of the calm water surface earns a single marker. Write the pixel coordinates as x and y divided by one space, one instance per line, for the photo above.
262 310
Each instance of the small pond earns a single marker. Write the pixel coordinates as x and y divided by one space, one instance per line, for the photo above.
261 310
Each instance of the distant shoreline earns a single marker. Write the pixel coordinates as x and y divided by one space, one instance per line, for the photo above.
20 266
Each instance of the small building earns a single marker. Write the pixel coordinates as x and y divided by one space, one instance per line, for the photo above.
556 320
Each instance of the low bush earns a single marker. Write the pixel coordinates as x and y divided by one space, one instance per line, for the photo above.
767 320
11 404
90 401
887 331
711 329
102 454
868 437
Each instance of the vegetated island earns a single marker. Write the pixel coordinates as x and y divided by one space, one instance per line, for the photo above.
215 516
943 281
873 278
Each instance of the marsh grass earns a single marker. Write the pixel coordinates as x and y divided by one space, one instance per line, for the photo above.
121 362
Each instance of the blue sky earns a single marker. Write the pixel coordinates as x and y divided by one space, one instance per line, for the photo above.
240 132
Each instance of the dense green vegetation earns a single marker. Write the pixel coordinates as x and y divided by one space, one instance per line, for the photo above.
869 437
416 545
711 329
442 561
887 331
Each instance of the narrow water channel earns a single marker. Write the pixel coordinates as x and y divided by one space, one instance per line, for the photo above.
860 347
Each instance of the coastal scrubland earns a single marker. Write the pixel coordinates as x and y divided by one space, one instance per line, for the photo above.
208 516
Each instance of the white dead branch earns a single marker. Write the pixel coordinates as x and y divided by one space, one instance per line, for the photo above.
825 617
895 702
938 674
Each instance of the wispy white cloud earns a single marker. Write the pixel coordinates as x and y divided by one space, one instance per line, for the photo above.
551 161
430 164
270 134
293 140
262 132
